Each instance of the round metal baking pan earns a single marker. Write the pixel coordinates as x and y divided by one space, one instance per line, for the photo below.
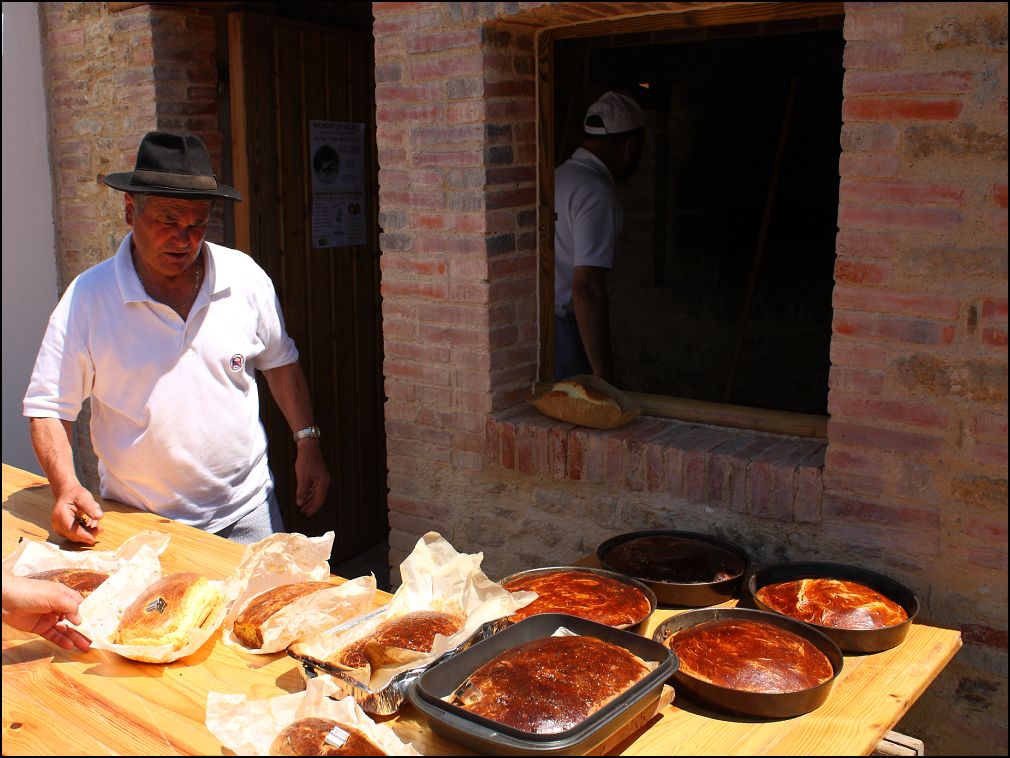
849 640
769 705
694 595
637 627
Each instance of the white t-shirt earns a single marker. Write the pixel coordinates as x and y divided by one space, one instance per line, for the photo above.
174 405
588 219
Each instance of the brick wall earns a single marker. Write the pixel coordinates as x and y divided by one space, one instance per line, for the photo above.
113 77
913 481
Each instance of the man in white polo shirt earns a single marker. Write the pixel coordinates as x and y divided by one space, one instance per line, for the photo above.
165 338
588 219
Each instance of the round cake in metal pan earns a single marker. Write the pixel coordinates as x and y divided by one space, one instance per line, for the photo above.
595 594
751 662
682 568
861 610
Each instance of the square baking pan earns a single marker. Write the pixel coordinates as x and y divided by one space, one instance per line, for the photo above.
487 736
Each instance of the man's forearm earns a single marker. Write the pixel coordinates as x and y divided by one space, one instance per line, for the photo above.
290 390
592 315
51 440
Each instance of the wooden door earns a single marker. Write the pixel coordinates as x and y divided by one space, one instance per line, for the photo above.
284 74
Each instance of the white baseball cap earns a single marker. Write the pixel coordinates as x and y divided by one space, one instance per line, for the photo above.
613 113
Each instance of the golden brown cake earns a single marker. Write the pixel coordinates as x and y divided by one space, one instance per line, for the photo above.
837 603
411 631
583 594
308 737
753 656
168 611
551 684
84 581
666 558
249 622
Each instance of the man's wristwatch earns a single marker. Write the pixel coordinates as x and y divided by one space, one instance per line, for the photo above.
310 431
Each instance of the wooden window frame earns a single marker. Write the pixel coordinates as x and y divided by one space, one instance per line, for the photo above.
719 414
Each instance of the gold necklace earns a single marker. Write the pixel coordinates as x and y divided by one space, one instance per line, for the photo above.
189 297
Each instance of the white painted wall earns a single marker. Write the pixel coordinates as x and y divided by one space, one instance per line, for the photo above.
30 284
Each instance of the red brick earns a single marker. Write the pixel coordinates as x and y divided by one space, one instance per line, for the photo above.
858 355
596 457
873 24
988 557
914 331
558 451
433 290
878 438
872 82
906 193
928 219
491 441
442 67
901 303
425 373
991 454
809 490
434 41
507 445
991 427
987 530
872 55
861 136
999 195
576 455
856 381
900 109
994 310
911 414
869 164
861 272
916 517
525 453
994 336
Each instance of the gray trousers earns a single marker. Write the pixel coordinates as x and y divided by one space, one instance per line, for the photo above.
257 524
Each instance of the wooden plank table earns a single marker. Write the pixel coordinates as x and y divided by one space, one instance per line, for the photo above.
97 703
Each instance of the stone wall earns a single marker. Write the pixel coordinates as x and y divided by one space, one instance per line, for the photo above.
914 478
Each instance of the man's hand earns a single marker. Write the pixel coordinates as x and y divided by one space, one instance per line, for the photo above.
40 607
76 515
313 480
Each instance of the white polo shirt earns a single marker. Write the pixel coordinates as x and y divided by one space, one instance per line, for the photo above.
588 219
174 405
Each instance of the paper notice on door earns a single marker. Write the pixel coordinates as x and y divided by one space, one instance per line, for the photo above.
337 161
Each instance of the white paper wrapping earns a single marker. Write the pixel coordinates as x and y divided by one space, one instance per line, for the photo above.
435 577
249 727
287 558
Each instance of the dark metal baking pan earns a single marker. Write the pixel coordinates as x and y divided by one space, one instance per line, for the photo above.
693 595
849 640
768 705
487 736
638 627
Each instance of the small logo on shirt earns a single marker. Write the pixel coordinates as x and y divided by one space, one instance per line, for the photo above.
237 362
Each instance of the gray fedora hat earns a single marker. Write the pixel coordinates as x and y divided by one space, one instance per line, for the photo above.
172 165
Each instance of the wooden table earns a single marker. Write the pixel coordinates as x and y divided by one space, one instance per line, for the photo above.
97 703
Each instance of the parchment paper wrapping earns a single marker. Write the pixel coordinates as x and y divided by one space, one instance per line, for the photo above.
288 558
249 727
435 577
31 556
134 564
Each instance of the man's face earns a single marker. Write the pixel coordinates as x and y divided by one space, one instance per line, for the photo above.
167 232
630 156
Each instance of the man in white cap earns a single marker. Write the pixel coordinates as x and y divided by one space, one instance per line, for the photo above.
588 218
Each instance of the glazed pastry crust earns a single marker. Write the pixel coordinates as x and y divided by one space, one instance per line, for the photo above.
837 603
583 594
